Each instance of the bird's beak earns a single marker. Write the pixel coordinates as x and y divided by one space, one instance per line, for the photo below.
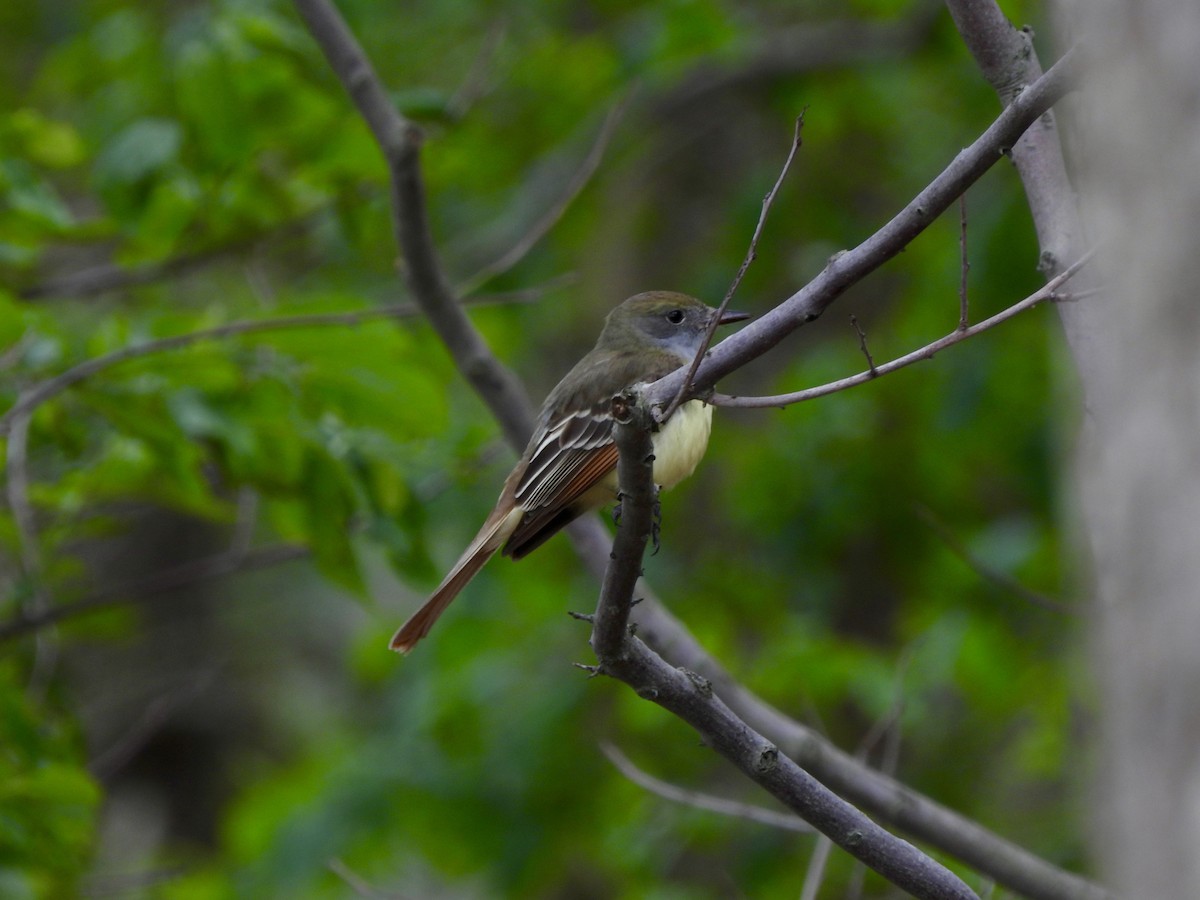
729 317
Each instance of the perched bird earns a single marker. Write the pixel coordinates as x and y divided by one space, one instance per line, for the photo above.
570 465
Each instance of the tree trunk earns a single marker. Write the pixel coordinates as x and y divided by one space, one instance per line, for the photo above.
1139 469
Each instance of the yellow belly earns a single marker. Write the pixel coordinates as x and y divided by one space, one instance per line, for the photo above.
680 444
678 448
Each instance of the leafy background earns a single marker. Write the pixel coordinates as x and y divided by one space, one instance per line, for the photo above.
249 735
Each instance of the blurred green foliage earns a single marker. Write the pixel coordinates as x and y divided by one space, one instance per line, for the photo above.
192 165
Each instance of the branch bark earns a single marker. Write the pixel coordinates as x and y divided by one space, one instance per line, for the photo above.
1048 292
690 696
851 266
400 142
1007 59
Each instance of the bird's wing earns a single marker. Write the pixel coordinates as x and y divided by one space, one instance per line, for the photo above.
573 454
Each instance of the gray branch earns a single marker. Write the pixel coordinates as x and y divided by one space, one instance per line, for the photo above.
691 697
1007 59
851 266
400 142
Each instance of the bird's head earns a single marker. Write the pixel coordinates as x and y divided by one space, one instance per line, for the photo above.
664 319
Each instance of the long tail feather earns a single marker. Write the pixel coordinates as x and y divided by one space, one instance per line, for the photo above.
480 550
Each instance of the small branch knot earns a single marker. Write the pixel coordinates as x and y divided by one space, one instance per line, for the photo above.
702 684
768 759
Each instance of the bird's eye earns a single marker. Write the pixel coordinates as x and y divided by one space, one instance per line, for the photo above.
675 316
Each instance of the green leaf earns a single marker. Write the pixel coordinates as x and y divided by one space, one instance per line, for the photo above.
25 192
47 799
328 506
139 150
50 143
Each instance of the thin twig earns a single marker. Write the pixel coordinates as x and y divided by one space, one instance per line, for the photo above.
109 276
13 352
400 143
105 277
473 86
358 884
850 267
1047 292
862 345
104 765
1002 580
965 267
51 387
551 216
36 597
815 874
751 255
171 579
701 800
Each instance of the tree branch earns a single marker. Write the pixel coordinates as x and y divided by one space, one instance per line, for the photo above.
1008 61
849 267
400 142
808 47
690 696
105 277
52 387
878 794
1002 580
188 573
635 467
1048 292
700 800
548 219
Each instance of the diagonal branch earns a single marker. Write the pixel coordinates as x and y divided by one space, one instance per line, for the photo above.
700 800
1048 292
216 566
691 697
751 255
400 142
551 216
1000 579
879 794
851 266
52 387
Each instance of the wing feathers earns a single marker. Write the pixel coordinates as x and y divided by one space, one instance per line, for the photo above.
570 485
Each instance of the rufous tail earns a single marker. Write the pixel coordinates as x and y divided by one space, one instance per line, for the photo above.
495 532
